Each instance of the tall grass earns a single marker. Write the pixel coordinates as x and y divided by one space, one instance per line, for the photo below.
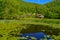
6 26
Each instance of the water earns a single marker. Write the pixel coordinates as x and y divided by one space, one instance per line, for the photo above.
38 1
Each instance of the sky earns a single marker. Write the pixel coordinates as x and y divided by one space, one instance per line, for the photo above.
38 1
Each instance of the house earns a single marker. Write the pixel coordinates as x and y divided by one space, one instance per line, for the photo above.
40 16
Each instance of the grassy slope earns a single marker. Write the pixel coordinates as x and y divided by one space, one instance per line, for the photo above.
49 22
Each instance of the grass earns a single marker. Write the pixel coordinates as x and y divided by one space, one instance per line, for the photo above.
7 26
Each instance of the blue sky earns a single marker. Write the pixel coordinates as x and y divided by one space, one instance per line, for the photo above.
38 1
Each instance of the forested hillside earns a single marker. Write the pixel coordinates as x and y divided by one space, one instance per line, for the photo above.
54 9
16 9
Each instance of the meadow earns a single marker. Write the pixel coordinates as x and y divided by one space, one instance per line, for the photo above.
8 27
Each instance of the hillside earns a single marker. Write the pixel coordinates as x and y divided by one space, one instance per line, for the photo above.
16 9
54 8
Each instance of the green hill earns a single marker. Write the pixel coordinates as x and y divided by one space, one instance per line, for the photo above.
16 9
54 8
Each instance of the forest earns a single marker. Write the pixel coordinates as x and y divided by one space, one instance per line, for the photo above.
16 9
